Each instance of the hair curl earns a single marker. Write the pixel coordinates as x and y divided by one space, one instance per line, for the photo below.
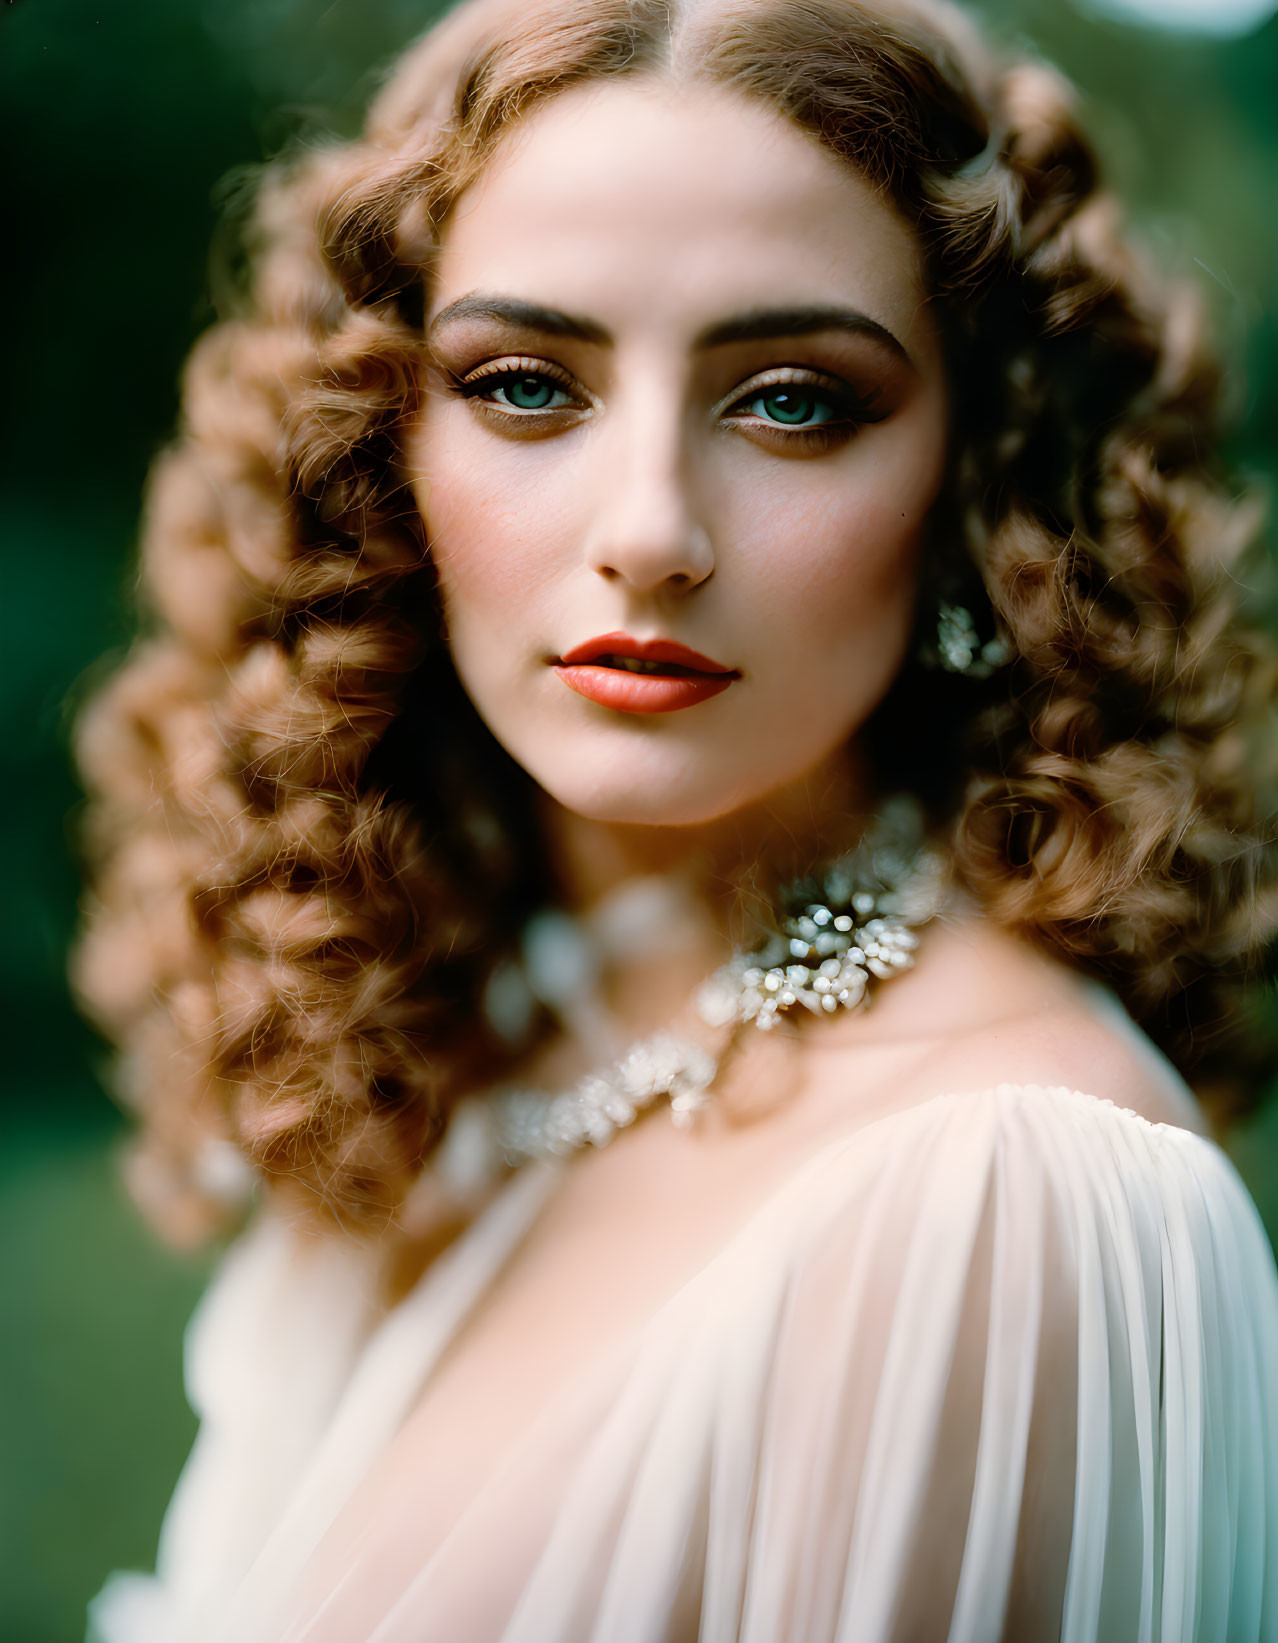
288 782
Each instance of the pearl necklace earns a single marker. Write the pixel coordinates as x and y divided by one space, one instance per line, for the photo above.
844 927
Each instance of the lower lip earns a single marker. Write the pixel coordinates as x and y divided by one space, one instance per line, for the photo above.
643 692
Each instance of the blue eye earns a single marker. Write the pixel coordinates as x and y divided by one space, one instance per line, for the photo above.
529 393
519 391
792 407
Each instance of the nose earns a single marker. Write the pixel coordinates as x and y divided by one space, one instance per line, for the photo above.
646 528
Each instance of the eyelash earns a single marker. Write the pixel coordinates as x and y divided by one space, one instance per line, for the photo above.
490 377
848 409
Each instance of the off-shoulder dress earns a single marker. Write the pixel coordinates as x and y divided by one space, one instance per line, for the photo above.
1003 1364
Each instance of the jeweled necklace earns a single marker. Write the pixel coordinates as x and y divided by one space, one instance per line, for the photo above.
844 927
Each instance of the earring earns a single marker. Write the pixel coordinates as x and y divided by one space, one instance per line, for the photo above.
958 647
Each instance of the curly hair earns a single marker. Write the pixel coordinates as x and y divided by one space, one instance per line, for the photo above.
289 787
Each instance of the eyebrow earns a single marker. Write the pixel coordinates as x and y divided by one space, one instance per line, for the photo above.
758 325
514 311
761 324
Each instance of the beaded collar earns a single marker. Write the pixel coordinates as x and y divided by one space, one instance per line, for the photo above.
847 926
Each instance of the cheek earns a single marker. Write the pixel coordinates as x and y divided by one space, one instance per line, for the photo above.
838 551
849 550
492 526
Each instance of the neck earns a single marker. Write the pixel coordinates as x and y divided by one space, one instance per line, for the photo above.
708 884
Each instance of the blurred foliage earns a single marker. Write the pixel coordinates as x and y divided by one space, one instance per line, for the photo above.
127 129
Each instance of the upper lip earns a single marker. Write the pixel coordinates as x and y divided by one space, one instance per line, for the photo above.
646 650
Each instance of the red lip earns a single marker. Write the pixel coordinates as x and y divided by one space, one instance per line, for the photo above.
646 650
642 692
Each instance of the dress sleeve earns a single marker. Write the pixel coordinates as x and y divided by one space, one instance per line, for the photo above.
1024 1385
267 1353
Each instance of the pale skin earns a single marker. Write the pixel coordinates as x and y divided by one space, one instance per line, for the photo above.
658 494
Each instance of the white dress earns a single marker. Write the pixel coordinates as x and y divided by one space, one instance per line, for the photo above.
1003 1364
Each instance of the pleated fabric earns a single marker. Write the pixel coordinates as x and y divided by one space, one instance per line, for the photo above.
1000 1365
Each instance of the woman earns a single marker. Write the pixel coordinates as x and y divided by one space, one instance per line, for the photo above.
785 354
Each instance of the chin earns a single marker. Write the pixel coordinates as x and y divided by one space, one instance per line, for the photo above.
644 805
644 773
686 791
663 786
648 810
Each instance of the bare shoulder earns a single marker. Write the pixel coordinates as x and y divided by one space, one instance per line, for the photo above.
985 1007
1081 1049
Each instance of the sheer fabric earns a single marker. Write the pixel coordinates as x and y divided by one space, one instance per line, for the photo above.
1002 1364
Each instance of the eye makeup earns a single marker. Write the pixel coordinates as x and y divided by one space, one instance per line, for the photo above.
793 409
787 408
520 396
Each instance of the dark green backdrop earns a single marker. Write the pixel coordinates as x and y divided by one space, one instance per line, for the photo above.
124 122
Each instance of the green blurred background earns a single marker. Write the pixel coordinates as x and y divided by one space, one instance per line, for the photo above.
125 126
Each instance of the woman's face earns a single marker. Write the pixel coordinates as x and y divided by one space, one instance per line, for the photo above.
684 385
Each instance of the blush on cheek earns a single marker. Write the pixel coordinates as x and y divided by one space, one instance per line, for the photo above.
855 551
496 532
475 553
864 548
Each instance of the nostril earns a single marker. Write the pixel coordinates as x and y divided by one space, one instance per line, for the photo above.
654 560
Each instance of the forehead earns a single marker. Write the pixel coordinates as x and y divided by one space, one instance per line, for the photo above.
635 201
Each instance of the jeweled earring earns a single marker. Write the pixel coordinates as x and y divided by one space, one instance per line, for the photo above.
958 647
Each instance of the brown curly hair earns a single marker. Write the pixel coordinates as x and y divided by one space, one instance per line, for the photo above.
312 853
